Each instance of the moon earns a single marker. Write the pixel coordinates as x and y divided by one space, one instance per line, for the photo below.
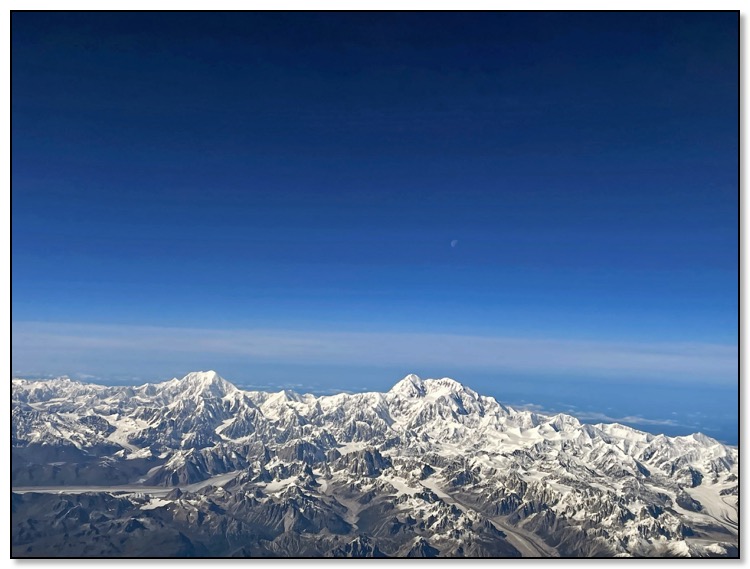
454 243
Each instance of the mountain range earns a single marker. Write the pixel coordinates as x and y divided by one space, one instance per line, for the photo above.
431 468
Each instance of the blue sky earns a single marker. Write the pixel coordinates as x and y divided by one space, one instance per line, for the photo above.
275 195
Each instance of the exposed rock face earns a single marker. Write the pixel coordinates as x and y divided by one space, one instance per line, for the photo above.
361 546
196 467
368 462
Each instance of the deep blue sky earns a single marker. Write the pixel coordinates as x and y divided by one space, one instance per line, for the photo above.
307 173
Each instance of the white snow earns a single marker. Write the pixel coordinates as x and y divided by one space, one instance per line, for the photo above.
716 549
155 503
278 485
351 447
400 485
143 453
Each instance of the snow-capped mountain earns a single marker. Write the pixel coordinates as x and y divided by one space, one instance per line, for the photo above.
195 466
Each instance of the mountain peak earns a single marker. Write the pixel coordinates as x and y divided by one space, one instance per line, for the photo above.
410 386
283 396
445 383
204 376
208 381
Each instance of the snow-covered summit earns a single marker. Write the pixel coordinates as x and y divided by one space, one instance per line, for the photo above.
413 386
209 376
446 385
410 386
205 383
